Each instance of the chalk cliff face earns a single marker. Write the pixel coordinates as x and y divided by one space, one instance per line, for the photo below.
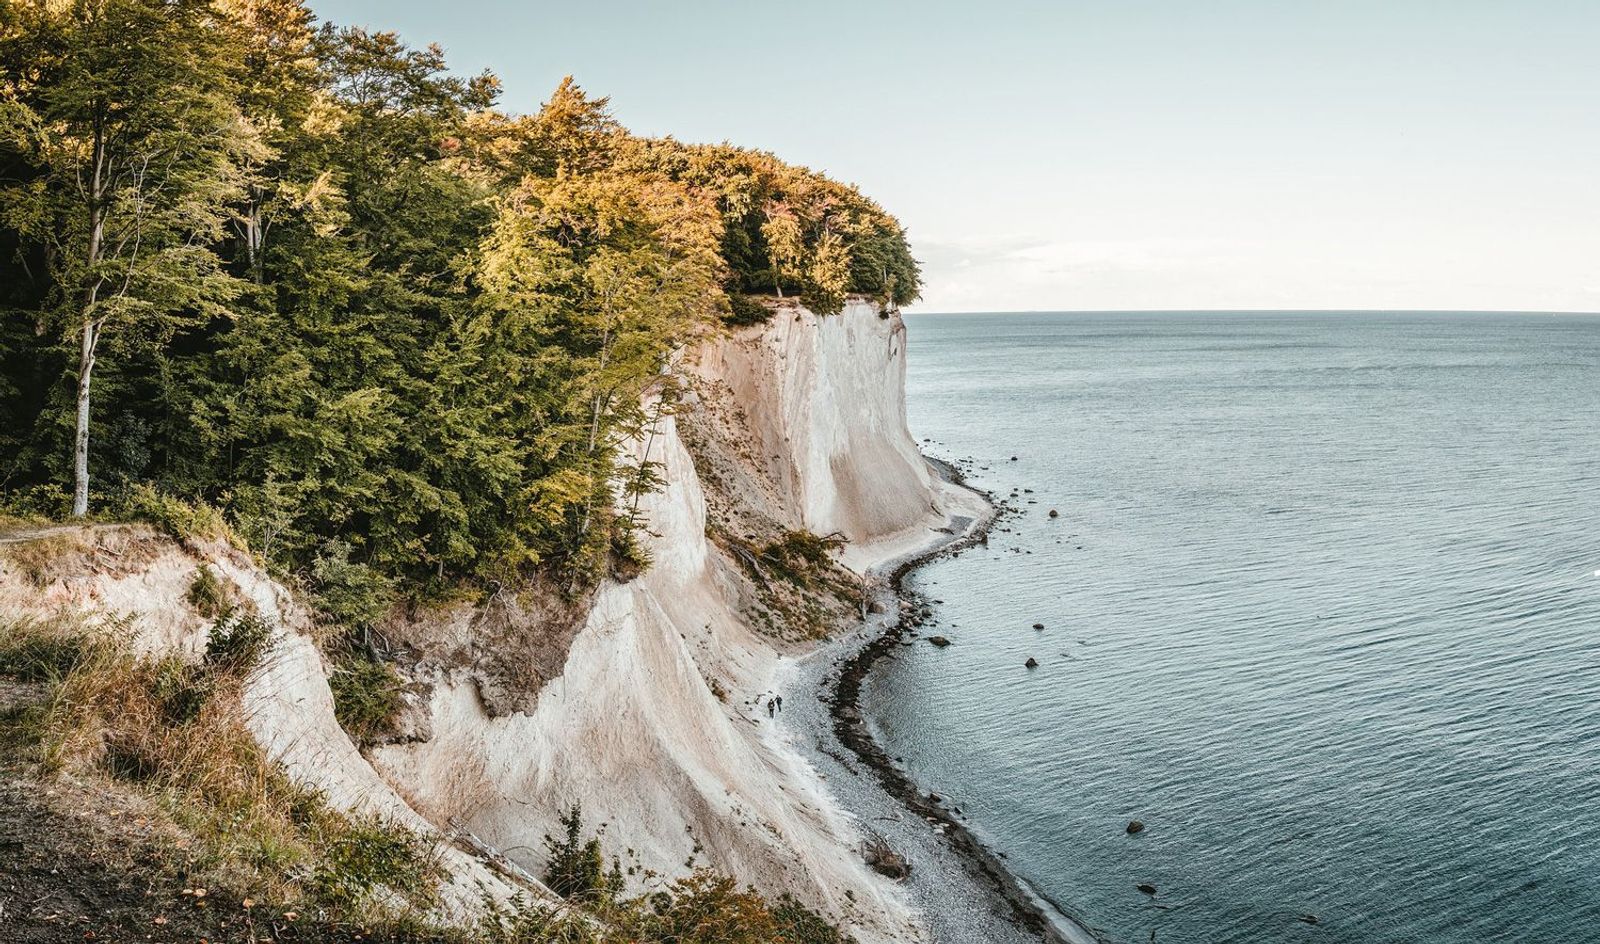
634 728
656 723
824 398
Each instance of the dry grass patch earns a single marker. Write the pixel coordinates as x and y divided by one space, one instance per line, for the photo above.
170 732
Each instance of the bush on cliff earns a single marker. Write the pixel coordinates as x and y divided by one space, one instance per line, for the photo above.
703 906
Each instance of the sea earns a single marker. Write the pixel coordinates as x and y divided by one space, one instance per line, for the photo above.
1321 609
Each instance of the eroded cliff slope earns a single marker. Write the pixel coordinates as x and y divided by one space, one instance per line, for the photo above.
648 709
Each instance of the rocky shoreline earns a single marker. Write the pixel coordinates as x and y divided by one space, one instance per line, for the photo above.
943 851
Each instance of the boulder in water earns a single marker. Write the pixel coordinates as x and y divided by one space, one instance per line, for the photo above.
1054 513
1032 663
1135 826
1146 887
939 641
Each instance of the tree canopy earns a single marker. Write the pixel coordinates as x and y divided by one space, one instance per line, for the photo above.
308 275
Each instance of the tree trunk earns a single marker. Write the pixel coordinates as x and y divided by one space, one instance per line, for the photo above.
91 327
80 449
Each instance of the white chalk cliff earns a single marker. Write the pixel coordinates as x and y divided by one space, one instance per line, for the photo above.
650 723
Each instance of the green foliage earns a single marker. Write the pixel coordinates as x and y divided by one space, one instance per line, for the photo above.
31 652
788 230
206 594
369 855
391 334
801 925
238 642
799 555
350 594
746 310
173 731
703 906
576 868
366 697
184 520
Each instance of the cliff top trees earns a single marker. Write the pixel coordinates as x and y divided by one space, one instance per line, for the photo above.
789 230
352 303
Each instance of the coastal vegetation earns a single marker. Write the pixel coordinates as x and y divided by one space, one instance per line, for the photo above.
303 283
158 747
299 289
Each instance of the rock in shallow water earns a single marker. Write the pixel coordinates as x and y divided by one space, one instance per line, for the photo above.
1032 663
1135 826
939 641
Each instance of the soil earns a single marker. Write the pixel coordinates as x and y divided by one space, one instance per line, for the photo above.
80 863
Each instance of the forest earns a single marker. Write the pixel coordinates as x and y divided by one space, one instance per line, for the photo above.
306 279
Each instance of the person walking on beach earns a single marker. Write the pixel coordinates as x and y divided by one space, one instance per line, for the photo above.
770 707
779 700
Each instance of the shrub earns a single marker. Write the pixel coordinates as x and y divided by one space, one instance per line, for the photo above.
186 521
37 503
746 310
350 594
704 906
576 868
174 732
799 554
238 642
206 594
367 855
366 697
35 651
798 924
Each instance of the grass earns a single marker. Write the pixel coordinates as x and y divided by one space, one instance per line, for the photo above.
171 732
36 559
206 593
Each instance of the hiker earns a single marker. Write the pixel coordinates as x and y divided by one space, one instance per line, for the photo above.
779 700
770 707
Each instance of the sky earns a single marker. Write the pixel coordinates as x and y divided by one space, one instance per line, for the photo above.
1125 154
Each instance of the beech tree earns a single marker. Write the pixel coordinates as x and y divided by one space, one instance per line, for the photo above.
139 145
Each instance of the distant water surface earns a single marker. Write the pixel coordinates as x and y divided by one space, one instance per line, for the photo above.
1321 609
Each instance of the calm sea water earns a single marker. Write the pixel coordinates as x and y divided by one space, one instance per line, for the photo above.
1321 609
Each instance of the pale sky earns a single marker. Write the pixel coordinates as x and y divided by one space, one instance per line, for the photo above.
1125 154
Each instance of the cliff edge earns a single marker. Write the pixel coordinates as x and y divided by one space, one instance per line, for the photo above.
649 708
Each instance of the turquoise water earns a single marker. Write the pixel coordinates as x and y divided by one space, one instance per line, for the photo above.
1321 609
